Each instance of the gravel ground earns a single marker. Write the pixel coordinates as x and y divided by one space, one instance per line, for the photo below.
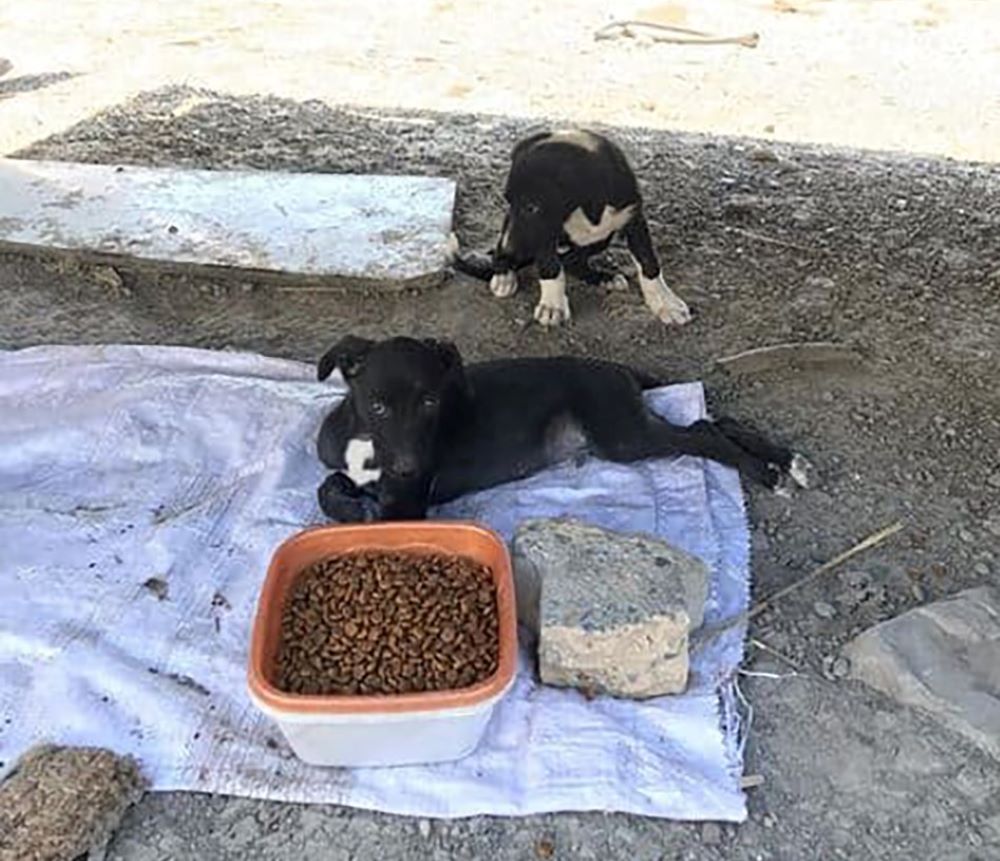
894 257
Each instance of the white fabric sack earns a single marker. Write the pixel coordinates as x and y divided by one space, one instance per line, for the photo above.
120 464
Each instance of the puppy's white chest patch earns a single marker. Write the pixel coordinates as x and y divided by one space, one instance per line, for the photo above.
582 231
360 458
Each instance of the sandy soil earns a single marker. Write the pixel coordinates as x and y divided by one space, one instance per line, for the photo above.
907 75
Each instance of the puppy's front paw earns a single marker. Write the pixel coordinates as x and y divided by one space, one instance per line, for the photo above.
552 313
551 316
666 305
341 500
503 284
553 306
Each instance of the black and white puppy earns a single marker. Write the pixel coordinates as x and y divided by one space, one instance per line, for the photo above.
569 193
419 428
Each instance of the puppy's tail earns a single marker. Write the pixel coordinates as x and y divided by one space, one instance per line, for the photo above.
472 263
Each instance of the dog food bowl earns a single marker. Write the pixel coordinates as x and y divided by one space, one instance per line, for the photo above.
381 729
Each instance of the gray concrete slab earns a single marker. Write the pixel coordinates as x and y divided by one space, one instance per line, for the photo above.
378 229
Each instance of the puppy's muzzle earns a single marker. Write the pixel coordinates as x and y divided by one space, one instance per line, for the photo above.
404 466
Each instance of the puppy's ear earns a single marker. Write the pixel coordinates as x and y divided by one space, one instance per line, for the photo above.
348 354
447 351
454 368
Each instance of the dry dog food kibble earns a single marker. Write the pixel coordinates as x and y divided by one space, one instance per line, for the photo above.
373 623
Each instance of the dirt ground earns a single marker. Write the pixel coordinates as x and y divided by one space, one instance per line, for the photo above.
893 256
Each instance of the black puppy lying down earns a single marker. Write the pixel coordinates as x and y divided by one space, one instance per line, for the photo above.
568 193
418 428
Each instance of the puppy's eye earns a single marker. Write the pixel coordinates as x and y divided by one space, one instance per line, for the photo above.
379 409
429 401
529 207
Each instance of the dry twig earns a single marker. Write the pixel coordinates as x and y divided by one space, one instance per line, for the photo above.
770 240
708 633
628 29
782 355
764 647
869 542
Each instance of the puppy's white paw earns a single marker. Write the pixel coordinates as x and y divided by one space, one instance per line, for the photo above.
616 282
798 477
666 305
503 284
800 470
553 306
552 314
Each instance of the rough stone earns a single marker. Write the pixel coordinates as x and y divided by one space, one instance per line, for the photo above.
840 667
824 609
64 802
741 205
943 658
711 833
612 611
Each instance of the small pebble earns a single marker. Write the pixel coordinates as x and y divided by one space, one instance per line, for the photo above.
762 154
711 834
768 821
545 848
840 667
158 587
824 610
982 569
966 536
994 527
994 479
859 580
424 827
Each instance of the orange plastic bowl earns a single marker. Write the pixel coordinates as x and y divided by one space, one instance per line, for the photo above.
381 729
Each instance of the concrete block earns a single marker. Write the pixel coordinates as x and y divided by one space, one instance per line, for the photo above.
611 611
